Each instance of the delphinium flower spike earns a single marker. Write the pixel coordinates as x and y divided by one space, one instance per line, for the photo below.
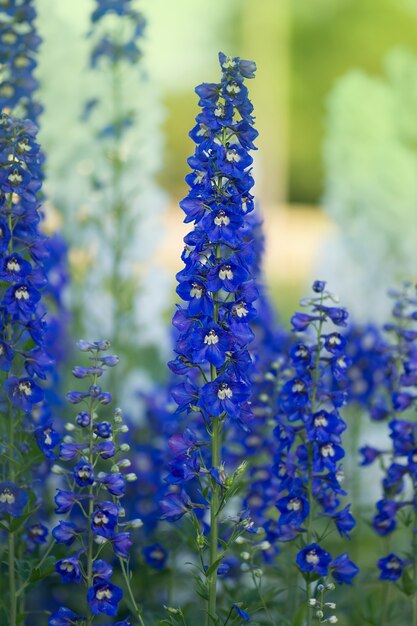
19 43
130 303
24 361
19 90
217 286
93 524
309 454
397 509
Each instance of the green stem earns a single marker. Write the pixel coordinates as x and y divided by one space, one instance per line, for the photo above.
214 526
131 596
12 579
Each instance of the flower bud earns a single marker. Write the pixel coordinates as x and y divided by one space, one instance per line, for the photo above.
131 477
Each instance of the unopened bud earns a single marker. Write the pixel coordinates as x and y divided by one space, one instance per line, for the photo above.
131 477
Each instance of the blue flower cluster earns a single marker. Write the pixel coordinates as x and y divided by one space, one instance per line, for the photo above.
399 502
217 285
90 502
308 437
19 43
216 282
126 49
24 361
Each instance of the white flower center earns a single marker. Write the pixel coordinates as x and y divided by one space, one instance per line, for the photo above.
327 450
13 265
334 340
67 566
301 352
84 473
196 291
233 88
100 519
15 177
21 293
232 156
221 219
240 309
228 64
103 592
294 504
199 177
48 439
7 497
224 392
225 272
211 338
340 476
320 421
219 110
311 557
298 386
25 388
394 564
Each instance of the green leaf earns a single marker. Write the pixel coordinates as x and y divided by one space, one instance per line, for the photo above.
300 615
201 588
38 573
408 585
213 567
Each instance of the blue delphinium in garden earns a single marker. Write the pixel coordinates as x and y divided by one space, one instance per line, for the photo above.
24 360
214 333
124 154
94 469
19 43
397 509
309 446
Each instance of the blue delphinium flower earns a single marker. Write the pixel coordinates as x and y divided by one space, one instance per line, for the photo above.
95 493
19 43
398 506
308 433
218 289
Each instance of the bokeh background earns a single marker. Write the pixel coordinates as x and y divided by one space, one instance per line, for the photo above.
334 81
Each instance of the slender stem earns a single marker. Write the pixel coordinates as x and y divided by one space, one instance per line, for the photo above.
414 545
315 377
12 579
131 596
264 605
90 536
214 526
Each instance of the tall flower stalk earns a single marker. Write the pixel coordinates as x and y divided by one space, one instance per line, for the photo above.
123 199
95 485
213 329
398 506
309 452
24 362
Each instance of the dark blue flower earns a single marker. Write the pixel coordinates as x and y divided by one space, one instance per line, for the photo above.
69 569
343 569
104 597
65 532
23 392
64 617
13 499
104 518
243 614
391 567
83 474
313 558
155 556
174 506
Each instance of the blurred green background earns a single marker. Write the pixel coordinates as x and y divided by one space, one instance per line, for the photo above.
301 48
